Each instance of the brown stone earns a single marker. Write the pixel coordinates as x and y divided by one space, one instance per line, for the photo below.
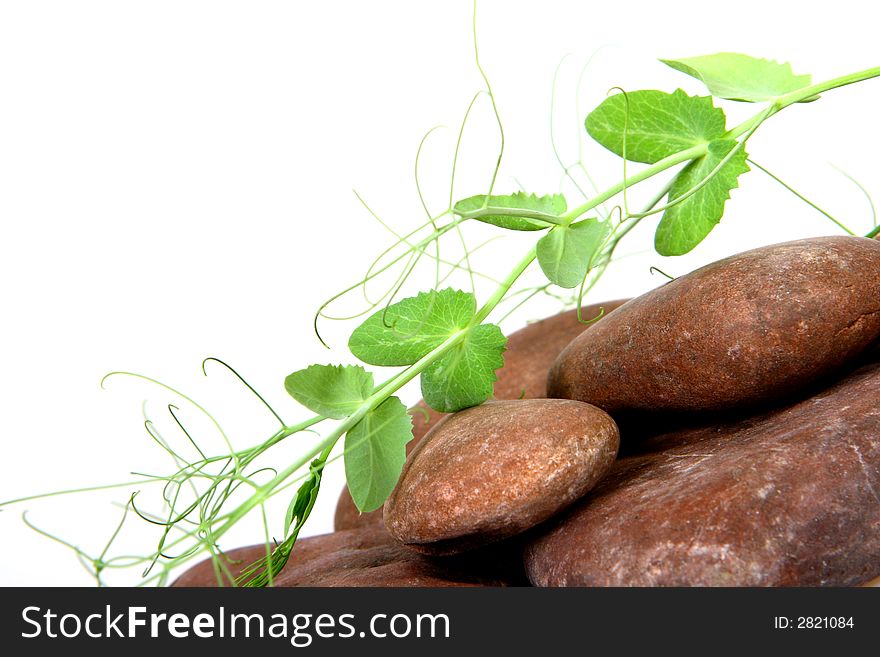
742 332
366 557
532 350
530 353
787 498
493 471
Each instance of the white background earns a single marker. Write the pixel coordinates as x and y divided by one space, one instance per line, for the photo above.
175 183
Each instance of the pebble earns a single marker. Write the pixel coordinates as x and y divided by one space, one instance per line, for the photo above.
490 472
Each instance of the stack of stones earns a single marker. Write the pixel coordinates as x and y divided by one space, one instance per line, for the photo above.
723 429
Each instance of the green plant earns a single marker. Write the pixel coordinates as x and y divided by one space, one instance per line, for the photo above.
442 336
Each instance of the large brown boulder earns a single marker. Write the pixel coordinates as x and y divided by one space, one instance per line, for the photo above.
790 497
749 330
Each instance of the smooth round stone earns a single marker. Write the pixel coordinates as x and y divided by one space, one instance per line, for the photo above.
742 332
495 470
790 497
530 353
365 557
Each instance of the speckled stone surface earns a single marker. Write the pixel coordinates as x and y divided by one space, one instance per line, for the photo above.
367 557
493 471
790 497
530 353
748 330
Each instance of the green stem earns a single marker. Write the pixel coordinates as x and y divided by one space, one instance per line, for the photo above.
874 233
800 196
686 155
504 287
631 221
821 87
807 93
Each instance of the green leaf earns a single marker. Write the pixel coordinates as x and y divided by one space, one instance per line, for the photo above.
375 450
551 205
263 570
657 124
333 391
686 224
301 505
405 331
740 77
566 252
465 376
